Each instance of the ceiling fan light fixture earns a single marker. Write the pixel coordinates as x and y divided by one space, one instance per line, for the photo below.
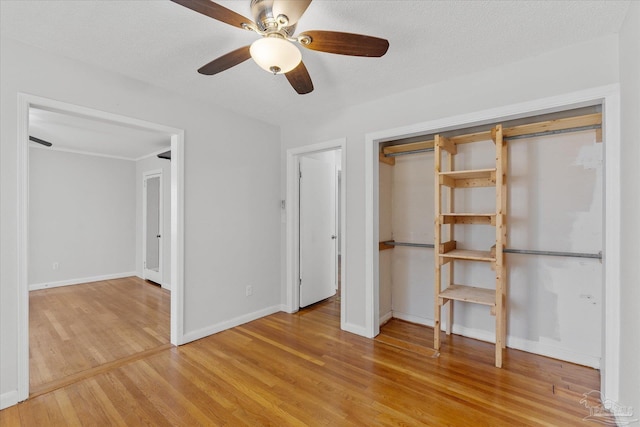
275 55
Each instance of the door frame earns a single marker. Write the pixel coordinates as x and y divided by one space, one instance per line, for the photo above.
25 102
292 244
606 96
146 175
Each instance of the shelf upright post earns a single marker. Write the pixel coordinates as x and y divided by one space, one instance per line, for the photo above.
437 241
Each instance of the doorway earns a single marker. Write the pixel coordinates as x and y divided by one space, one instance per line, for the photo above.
300 238
27 102
152 221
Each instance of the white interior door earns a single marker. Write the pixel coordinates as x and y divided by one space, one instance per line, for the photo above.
317 230
152 227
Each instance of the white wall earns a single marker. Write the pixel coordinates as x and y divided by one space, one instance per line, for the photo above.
554 204
630 223
561 71
81 216
147 164
231 195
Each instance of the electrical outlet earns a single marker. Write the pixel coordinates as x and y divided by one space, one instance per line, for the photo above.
249 290
55 266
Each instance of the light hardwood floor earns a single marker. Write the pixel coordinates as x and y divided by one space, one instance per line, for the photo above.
75 329
301 369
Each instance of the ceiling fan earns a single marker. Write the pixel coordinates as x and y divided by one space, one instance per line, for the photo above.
276 52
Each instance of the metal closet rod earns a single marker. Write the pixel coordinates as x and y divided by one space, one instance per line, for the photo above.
417 245
510 251
510 138
404 153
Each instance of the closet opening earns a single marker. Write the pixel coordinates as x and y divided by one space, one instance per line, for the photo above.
554 224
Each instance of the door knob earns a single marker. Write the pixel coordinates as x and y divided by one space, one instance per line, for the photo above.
333 236
158 236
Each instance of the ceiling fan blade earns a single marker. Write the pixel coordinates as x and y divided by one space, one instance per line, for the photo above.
344 43
300 79
40 141
291 9
215 11
225 62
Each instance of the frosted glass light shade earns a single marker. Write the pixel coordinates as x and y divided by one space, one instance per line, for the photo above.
275 55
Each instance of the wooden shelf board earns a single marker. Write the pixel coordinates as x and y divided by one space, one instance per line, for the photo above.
469 255
468 218
558 124
471 137
388 160
470 214
382 246
403 148
469 178
469 174
470 294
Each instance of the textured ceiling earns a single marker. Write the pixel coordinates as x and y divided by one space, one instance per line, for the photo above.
164 44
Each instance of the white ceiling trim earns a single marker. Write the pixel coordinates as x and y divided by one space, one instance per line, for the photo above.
84 153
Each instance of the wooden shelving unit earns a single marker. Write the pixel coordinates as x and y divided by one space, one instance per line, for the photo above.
446 252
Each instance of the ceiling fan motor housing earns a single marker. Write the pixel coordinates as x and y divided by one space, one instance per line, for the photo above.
267 20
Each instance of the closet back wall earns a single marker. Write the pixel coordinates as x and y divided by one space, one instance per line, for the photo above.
555 204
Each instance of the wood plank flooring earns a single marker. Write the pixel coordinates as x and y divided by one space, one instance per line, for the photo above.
301 369
74 329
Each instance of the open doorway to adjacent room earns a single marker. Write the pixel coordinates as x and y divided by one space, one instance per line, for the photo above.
98 289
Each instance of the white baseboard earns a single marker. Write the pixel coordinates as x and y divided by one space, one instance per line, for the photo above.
9 398
228 324
554 352
516 343
356 329
164 285
286 309
411 318
70 282
386 317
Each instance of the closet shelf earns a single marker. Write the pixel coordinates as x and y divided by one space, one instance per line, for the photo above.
468 218
469 178
467 254
470 294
